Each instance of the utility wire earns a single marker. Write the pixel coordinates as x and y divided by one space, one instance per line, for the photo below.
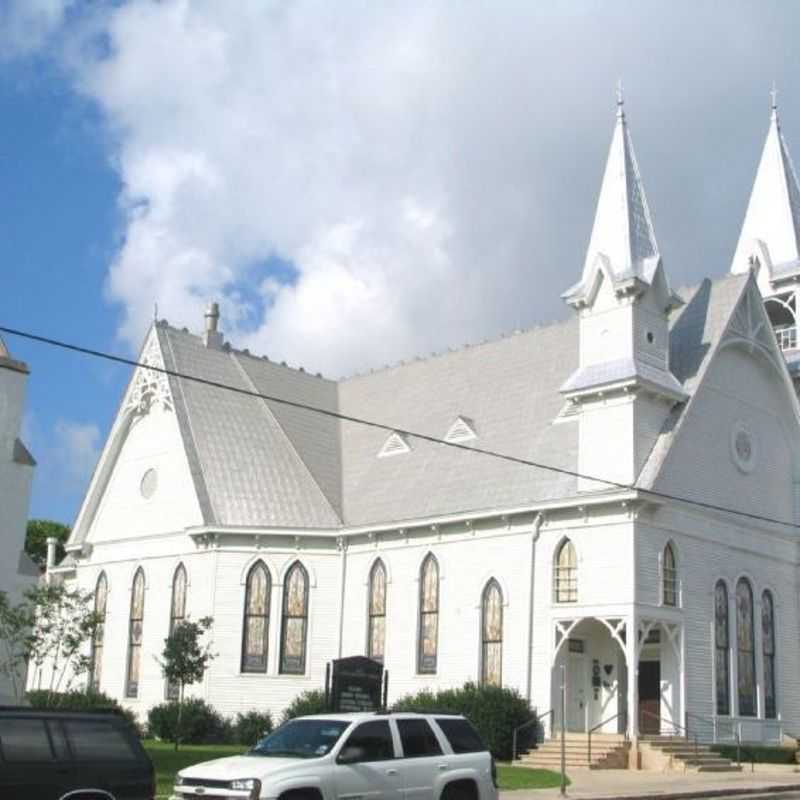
87 351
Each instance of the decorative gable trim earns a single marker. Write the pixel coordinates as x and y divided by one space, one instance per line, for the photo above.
462 430
395 445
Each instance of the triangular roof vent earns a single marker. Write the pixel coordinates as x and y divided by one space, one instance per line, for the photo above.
462 430
394 445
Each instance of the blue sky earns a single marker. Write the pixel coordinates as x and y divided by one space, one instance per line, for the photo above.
58 229
355 183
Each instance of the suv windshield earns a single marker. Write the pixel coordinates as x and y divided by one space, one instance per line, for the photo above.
302 738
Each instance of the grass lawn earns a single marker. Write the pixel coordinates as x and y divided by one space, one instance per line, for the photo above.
167 762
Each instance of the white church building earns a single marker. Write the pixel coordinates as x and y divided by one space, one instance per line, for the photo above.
17 571
653 553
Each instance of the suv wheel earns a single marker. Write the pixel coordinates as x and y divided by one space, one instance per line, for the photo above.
460 790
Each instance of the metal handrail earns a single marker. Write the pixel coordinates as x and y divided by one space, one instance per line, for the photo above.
532 721
674 725
622 714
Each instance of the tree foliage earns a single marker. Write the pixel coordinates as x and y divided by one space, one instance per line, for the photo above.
50 630
36 536
63 622
184 659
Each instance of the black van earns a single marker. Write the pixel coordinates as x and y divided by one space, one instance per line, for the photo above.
46 754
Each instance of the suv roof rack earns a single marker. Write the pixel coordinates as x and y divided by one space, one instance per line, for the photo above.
438 712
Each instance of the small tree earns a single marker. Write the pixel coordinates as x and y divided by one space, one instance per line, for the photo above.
184 660
62 623
16 623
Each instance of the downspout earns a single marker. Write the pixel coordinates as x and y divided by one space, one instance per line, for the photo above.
341 543
537 524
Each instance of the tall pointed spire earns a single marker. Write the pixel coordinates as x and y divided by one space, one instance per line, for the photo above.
771 229
623 231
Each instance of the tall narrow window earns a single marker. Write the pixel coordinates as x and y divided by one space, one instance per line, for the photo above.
295 620
492 634
722 658
376 629
177 614
768 648
100 602
669 577
745 647
135 635
428 647
566 573
255 631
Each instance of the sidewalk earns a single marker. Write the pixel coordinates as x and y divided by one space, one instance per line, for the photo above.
596 784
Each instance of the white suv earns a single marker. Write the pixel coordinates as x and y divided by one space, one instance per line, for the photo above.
367 756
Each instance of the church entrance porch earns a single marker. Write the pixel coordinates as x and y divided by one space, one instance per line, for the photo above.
606 673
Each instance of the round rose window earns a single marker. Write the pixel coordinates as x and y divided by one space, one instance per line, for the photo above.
743 447
149 484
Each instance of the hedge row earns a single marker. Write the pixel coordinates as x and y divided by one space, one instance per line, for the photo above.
75 700
761 754
495 712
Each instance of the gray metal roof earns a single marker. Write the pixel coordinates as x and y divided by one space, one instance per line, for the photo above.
262 463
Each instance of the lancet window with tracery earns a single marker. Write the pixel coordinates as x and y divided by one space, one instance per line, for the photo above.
745 646
295 620
722 649
565 578
428 647
256 618
492 634
135 629
376 628
177 614
100 604
768 651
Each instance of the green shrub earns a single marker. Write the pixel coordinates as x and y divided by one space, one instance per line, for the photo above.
761 754
75 700
310 702
494 711
252 726
200 723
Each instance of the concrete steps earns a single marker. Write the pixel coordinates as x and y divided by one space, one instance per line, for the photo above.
608 752
678 753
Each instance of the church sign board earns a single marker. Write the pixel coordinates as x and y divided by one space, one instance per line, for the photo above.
355 684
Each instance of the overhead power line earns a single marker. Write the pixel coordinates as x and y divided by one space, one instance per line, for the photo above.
88 351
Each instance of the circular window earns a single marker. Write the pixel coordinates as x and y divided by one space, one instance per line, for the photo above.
743 447
149 484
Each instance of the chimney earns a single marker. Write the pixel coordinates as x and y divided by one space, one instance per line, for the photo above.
212 337
51 552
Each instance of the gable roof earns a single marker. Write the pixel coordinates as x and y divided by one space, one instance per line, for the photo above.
247 469
261 463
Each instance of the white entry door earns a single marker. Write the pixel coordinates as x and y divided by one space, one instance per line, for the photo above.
576 692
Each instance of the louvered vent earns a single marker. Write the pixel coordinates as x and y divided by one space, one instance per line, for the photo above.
394 446
462 430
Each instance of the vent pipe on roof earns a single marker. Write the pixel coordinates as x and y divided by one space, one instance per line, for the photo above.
211 336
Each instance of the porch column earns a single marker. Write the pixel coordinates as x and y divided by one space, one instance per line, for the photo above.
631 651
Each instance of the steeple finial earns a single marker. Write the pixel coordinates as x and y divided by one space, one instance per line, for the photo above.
620 101
773 101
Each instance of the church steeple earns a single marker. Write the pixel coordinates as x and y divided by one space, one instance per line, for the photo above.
623 241
770 235
623 383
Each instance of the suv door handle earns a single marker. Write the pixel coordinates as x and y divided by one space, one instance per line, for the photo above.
442 766
391 771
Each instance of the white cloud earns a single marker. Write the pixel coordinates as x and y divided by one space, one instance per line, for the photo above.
27 25
429 169
74 450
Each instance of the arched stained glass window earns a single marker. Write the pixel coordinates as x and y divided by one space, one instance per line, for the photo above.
255 632
566 573
768 649
135 627
745 648
177 614
669 577
100 603
376 626
427 649
295 620
722 658
492 634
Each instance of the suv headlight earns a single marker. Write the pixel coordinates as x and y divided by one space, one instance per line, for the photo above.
179 780
252 785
